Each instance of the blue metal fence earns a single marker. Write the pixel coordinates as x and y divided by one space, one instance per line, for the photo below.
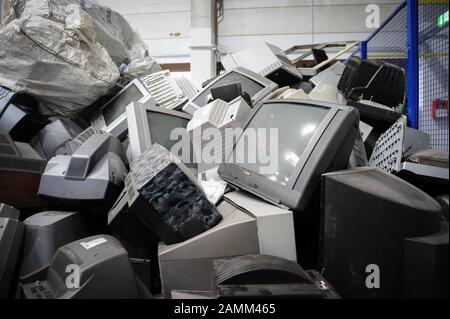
415 37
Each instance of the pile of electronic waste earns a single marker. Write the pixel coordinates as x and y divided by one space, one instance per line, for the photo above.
267 182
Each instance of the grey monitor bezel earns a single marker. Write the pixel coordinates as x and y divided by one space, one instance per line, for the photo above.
269 87
320 146
138 126
118 126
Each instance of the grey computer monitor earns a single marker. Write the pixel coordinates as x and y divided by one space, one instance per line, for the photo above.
111 118
313 138
90 178
249 226
148 124
256 85
45 232
55 135
103 268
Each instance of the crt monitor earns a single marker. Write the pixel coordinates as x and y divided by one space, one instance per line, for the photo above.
104 269
257 86
312 138
367 215
249 226
45 232
111 118
90 178
148 125
55 135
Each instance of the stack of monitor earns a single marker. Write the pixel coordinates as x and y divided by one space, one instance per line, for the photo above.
256 85
111 118
308 138
91 177
267 60
249 226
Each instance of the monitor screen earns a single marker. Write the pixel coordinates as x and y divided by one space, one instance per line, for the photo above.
161 126
118 105
248 85
296 125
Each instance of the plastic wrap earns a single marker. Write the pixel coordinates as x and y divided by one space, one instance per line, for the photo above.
65 53
110 28
61 67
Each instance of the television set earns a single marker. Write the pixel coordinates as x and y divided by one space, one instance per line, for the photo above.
312 138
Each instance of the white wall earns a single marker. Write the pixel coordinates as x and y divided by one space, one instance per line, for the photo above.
166 24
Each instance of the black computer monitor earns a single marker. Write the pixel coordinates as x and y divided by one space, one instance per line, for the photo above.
148 125
18 116
92 177
373 80
112 117
313 138
367 215
11 234
425 274
257 86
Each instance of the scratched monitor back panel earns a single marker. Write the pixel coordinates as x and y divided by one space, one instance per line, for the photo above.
367 214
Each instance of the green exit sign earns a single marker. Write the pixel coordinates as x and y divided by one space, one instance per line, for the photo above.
443 19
